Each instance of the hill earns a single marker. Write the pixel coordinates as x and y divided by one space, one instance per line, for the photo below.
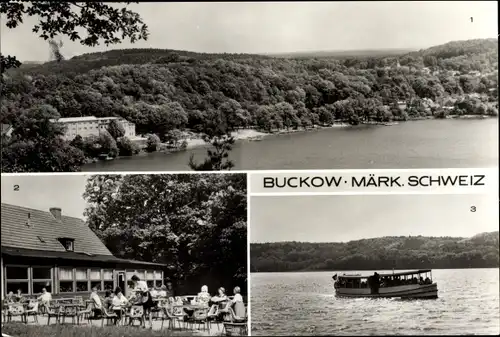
343 54
401 252
166 90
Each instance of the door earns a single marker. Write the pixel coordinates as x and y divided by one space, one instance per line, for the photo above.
121 282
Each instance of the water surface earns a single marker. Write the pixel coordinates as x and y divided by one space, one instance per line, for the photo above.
305 304
415 144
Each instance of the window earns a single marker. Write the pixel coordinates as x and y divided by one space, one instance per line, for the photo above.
42 278
17 278
140 274
82 283
68 243
95 279
150 278
158 283
66 280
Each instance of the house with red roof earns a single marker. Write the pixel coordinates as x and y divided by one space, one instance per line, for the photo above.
46 249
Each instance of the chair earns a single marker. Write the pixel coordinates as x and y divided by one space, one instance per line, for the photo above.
136 313
200 318
241 309
168 315
69 310
235 329
212 315
85 314
33 310
237 325
106 315
16 310
53 311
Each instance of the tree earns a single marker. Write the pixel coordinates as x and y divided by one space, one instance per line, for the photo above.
108 144
116 129
195 224
217 133
100 21
126 147
36 144
152 143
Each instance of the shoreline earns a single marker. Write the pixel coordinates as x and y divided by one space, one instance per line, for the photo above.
253 134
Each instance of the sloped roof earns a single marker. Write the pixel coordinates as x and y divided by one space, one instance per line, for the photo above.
43 226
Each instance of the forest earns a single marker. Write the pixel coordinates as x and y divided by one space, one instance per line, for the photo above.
385 253
168 92
194 224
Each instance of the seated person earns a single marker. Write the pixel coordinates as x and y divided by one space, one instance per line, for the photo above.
221 297
19 296
203 296
45 297
108 300
163 291
10 297
238 305
154 292
96 300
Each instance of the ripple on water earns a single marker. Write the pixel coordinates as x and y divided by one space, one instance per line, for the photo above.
304 304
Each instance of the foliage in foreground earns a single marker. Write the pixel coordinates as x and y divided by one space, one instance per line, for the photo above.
59 330
195 224
385 253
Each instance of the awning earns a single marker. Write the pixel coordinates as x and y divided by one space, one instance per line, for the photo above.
74 256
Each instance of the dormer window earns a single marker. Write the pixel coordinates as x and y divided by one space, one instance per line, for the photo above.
68 243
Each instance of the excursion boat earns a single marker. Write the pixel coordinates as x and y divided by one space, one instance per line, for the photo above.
416 284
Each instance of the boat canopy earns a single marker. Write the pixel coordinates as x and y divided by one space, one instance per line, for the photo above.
413 272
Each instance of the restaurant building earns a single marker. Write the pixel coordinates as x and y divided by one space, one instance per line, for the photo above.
43 249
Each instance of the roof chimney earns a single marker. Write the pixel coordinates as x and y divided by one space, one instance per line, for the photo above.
28 222
56 212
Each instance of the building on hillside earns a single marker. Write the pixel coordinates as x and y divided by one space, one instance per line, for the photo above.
62 254
401 105
91 125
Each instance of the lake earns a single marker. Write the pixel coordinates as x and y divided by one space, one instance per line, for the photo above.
305 304
416 144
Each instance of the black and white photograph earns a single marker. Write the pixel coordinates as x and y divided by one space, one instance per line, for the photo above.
374 265
248 85
124 255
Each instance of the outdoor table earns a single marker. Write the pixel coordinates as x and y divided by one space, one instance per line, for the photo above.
190 306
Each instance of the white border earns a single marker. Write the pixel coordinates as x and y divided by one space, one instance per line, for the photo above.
251 172
249 282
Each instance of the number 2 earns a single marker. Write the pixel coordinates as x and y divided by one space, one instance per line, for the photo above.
16 187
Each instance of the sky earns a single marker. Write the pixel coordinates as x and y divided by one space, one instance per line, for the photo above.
355 217
45 191
281 27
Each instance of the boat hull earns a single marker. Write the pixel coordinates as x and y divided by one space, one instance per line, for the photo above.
410 291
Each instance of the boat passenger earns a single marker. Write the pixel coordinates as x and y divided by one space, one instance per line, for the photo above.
427 281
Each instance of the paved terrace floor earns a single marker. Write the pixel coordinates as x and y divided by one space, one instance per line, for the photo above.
215 330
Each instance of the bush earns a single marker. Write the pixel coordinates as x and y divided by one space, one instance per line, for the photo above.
152 143
126 147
